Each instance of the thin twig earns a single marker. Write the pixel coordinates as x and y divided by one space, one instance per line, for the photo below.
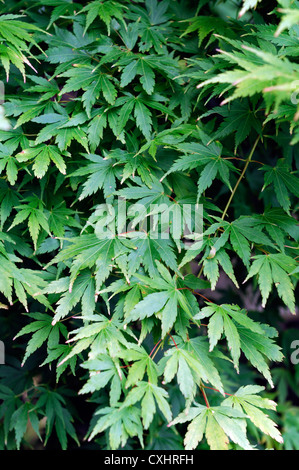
241 177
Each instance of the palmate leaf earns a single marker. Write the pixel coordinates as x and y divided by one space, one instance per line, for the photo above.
211 266
279 226
32 209
256 347
143 363
260 72
290 17
97 252
93 82
83 289
58 416
242 333
163 303
267 32
194 155
240 233
205 25
283 182
191 363
24 282
147 245
41 156
212 260
54 121
67 47
59 353
96 128
238 118
219 423
16 35
62 9
19 422
123 423
48 88
26 110
8 162
133 164
247 400
142 106
105 10
156 12
208 157
14 137
59 218
103 336
144 66
274 269
147 251
148 393
102 370
146 195
153 23
64 128
43 331
140 67
102 175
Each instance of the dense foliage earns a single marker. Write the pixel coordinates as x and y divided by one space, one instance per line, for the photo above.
137 340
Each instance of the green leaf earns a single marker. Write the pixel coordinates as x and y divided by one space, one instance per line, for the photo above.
42 155
251 404
242 333
274 268
143 119
218 424
142 392
247 5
